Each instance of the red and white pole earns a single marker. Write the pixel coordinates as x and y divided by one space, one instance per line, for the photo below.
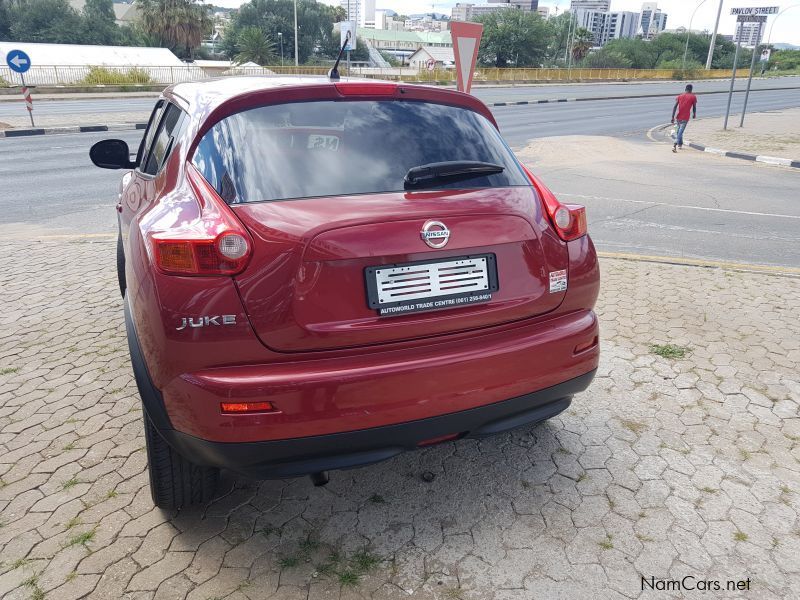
26 94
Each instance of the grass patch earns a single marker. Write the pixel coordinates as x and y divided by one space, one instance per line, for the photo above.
364 561
111 494
606 544
376 499
20 562
269 530
82 538
308 545
104 76
70 446
37 594
708 490
289 562
32 581
744 454
8 370
348 578
72 576
740 536
581 477
71 482
634 426
2 483
73 522
669 350
644 538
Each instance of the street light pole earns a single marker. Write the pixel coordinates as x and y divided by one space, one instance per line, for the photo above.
714 37
689 32
296 45
280 37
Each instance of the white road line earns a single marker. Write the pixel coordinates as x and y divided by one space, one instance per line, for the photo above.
703 208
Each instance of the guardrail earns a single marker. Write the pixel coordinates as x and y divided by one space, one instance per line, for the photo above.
158 75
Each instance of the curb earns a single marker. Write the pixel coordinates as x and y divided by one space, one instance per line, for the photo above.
9 133
670 95
770 160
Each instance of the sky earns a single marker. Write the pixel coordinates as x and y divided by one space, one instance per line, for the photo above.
786 28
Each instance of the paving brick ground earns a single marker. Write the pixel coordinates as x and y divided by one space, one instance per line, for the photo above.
666 467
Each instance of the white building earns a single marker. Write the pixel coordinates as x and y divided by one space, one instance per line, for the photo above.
623 24
594 21
750 34
360 11
652 21
441 58
467 11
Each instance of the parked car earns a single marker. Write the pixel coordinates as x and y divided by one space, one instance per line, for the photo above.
322 274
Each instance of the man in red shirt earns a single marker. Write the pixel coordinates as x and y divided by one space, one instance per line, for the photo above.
684 104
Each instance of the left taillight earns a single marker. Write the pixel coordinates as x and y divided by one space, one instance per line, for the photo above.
214 244
569 220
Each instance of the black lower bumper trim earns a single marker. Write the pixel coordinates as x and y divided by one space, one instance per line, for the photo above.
301 456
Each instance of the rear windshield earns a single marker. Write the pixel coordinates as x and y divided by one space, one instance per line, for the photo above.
333 148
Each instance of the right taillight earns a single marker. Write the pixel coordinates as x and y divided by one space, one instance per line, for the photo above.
213 244
569 220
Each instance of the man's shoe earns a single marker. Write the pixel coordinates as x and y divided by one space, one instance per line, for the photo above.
675 148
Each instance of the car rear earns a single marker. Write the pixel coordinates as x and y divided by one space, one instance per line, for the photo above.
320 307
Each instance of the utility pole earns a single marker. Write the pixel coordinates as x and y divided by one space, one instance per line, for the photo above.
714 37
296 44
733 79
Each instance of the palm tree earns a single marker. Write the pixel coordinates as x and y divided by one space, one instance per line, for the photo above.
179 25
582 42
254 46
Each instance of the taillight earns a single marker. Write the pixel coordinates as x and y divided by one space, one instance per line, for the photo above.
214 244
569 220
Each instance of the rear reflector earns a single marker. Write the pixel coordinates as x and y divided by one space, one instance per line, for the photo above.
439 440
237 408
585 345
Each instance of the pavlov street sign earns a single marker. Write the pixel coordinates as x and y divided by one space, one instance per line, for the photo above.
756 10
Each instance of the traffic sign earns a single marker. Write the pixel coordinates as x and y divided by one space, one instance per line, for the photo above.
344 27
431 64
751 19
18 61
756 10
466 42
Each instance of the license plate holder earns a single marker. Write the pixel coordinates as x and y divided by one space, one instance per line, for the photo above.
437 284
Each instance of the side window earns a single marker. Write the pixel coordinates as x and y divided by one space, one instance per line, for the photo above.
163 140
147 138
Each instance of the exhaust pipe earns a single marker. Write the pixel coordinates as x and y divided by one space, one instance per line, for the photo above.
319 479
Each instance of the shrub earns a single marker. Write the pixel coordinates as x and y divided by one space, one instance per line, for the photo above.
607 59
104 76
692 70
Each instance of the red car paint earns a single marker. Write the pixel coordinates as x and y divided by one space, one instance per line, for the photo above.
304 338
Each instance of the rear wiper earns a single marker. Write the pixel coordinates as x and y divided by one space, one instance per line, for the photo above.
453 170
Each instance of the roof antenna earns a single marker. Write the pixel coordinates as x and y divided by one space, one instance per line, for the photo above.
334 72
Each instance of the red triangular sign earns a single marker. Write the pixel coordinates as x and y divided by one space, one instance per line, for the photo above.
466 42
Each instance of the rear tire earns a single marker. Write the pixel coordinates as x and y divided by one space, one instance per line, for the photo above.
121 266
174 481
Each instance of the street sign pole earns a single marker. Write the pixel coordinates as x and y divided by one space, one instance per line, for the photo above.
26 94
733 79
750 79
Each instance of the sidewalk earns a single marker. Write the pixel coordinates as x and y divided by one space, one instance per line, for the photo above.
771 134
682 459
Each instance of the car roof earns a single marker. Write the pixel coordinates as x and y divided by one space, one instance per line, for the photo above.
203 98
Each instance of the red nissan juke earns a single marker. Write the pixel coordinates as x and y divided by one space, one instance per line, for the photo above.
321 274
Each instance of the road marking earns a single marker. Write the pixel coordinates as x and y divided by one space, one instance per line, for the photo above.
688 207
692 262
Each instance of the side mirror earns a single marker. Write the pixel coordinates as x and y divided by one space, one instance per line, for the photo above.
111 154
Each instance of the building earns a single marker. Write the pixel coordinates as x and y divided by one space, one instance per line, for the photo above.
593 20
623 24
597 5
442 58
749 34
402 44
652 21
466 11
360 11
529 5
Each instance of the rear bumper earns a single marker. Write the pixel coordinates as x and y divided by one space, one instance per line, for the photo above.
301 456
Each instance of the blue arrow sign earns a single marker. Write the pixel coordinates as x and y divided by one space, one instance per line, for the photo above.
18 61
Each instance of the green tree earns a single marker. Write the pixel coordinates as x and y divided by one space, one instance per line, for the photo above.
99 26
606 59
513 38
558 34
255 47
179 25
53 21
582 42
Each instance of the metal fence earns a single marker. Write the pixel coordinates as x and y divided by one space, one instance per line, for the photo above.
157 75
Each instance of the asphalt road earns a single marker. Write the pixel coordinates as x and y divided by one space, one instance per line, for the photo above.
657 208
487 94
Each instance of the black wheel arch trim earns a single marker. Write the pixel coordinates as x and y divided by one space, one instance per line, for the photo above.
151 397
